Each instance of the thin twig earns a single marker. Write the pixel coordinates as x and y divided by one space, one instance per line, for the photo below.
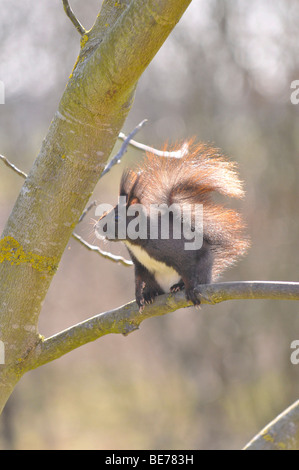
105 254
160 153
73 18
127 318
93 204
13 167
96 249
117 158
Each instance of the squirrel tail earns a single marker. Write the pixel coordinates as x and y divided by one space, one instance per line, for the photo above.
192 179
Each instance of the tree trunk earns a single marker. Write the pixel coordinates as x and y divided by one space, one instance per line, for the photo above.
99 94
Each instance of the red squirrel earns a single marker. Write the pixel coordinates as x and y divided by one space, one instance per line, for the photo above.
167 264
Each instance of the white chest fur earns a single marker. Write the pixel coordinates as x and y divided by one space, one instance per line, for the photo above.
165 276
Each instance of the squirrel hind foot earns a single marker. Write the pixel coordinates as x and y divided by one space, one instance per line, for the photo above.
193 297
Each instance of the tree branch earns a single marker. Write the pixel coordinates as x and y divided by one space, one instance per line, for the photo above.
13 167
104 254
128 140
160 153
281 434
117 158
126 319
86 210
73 18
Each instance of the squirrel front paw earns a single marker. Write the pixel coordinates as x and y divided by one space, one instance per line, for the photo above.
177 287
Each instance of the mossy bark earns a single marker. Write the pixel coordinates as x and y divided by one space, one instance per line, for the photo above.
280 434
99 94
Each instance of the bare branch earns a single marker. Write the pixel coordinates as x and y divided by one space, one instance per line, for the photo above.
128 140
73 18
281 434
239 290
13 167
160 153
127 318
117 158
96 249
105 254
93 204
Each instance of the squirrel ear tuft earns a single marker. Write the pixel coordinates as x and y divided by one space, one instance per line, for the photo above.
134 200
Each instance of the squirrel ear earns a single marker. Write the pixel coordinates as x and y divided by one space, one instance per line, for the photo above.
134 200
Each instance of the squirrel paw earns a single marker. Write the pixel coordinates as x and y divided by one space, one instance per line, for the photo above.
194 297
177 287
146 298
149 296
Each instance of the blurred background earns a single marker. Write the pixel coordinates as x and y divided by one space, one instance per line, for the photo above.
208 379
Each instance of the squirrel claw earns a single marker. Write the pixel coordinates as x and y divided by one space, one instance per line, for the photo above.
193 297
177 287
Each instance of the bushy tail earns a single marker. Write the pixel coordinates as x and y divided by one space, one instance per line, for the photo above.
192 179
